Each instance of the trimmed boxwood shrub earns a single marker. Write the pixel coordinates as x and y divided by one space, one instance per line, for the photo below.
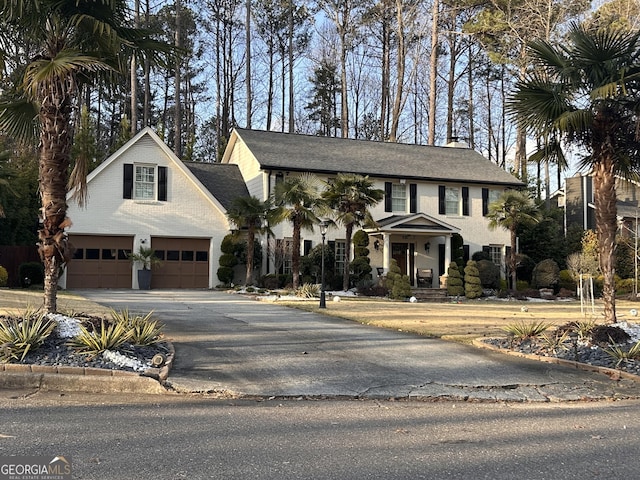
31 273
4 276
455 285
472 285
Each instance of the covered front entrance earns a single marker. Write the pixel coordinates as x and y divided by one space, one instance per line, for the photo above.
419 243
403 254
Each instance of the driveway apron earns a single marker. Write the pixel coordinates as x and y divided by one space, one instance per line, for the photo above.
229 344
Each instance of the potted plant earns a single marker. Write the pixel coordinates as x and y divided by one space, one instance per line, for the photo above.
147 257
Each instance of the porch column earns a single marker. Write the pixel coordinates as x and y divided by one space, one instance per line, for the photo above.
386 252
447 253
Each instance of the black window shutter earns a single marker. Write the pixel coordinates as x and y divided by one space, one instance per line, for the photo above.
441 251
442 209
127 181
307 247
332 245
413 198
465 201
465 253
485 202
486 249
387 197
162 184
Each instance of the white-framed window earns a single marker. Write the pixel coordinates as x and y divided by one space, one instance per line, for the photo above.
399 197
495 251
339 256
144 185
452 201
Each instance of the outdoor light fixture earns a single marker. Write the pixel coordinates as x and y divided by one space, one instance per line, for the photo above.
427 247
376 244
324 224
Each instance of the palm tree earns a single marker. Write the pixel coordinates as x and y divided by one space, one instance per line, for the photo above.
76 41
254 215
350 196
586 91
509 211
299 202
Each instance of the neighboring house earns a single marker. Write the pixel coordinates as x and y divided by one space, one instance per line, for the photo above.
577 198
430 194
144 195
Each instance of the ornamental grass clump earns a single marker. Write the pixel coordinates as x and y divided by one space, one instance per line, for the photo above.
522 330
19 336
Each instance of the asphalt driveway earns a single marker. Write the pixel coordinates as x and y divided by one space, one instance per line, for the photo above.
226 343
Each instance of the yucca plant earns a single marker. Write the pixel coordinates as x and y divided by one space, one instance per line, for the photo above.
556 341
110 335
584 327
308 290
143 331
20 336
521 330
621 355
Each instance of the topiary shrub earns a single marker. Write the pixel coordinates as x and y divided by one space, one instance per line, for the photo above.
398 285
546 274
455 285
4 276
360 269
472 285
489 274
360 244
225 275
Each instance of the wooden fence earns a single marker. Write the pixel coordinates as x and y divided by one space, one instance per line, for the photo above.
11 257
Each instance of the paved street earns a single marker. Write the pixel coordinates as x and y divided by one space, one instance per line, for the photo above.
170 437
227 343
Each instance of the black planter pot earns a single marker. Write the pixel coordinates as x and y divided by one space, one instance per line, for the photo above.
144 279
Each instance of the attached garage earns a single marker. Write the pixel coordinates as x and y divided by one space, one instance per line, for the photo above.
185 262
100 261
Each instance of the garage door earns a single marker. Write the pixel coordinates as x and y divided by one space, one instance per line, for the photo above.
100 261
185 263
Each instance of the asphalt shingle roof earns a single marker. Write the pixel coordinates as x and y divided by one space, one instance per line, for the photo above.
224 181
283 151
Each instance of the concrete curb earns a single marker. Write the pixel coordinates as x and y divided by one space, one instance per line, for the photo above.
610 372
86 379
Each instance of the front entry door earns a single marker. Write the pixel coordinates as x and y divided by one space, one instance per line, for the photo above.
402 253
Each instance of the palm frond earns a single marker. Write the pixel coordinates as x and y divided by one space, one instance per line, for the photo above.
20 119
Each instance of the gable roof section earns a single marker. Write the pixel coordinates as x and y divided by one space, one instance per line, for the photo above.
223 180
413 223
180 165
330 155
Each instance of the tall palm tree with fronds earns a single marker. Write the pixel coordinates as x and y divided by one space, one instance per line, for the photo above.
511 210
351 196
587 91
298 201
75 42
254 216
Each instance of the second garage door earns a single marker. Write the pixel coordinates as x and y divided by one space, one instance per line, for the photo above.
185 262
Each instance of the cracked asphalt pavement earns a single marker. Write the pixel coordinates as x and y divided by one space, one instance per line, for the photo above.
230 345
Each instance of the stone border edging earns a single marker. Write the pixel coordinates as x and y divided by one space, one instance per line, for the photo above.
86 379
612 373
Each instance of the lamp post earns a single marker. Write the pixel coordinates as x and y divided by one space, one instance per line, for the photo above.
323 231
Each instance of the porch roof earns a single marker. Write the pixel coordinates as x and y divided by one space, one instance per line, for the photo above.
413 223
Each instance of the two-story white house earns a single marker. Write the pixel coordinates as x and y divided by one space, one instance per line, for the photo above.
144 195
430 193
